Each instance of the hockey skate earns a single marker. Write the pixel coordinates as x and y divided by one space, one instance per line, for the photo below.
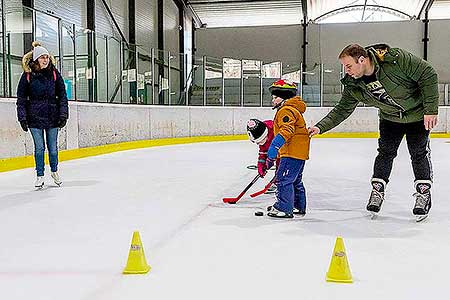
275 213
56 178
39 183
376 197
298 212
272 189
423 199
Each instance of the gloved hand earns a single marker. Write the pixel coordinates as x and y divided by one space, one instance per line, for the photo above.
262 167
24 125
62 123
269 163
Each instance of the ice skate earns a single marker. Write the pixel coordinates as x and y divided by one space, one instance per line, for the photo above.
56 178
39 183
298 212
272 189
376 197
423 199
275 213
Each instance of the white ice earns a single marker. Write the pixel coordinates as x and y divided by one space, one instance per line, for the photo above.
72 242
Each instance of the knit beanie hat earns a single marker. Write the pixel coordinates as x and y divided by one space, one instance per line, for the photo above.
256 130
38 51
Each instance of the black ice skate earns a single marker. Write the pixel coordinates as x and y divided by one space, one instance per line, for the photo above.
423 199
376 196
275 213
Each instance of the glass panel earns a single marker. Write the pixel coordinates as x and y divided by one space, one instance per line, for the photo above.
331 84
144 83
114 71
213 81
68 68
1 54
101 68
180 98
18 30
196 91
251 82
47 34
128 76
271 72
175 78
81 73
232 70
163 78
311 84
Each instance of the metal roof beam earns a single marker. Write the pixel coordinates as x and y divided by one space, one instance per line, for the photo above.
364 11
230 2
359 6
425 7
190 11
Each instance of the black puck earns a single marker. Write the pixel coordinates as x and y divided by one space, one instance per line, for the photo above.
259 213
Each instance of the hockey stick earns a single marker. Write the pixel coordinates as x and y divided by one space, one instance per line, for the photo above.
265 188
234 200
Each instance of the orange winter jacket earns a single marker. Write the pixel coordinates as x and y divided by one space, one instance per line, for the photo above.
289 123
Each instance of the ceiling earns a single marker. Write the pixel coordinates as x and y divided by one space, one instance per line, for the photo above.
235 13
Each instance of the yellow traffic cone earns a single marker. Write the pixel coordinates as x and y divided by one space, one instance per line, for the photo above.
136 264
339 271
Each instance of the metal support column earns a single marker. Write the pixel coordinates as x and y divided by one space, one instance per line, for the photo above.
223 85
446 94
261 83
3 47
204 80
152 67
242 84
321 67
169 84
300 87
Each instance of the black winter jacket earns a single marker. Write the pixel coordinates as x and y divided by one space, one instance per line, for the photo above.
42 100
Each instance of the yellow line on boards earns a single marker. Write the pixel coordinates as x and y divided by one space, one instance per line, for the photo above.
21 162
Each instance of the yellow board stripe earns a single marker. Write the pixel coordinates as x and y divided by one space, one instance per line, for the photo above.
21 162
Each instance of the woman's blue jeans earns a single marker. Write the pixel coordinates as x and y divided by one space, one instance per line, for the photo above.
51 136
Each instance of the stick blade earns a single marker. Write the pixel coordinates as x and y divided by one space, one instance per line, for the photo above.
230 200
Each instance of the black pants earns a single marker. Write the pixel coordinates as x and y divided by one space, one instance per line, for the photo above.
417 139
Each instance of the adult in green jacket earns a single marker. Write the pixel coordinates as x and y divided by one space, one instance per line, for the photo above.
404 88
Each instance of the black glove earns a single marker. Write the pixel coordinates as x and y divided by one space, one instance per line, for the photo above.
24 125
62 123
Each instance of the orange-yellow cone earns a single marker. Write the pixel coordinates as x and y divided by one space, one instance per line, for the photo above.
136 264
339 271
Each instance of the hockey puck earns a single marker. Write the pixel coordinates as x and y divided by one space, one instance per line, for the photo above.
259 213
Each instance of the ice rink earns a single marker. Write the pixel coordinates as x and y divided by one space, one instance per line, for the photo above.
72 242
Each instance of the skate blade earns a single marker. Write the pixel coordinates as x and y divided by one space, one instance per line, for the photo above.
39 187
373 215
420 218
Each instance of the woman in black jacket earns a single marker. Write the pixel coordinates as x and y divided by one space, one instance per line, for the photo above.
42 107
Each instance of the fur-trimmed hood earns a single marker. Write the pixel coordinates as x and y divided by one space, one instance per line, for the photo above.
28 58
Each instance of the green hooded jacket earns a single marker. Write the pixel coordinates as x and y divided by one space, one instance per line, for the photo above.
408 79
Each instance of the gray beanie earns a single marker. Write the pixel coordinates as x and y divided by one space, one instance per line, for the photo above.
38 51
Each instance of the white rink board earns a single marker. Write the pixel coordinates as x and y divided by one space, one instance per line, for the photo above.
94 124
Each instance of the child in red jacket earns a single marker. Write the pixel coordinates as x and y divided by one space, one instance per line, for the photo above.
261 133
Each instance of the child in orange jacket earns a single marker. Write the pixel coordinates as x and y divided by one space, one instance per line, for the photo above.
291 144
